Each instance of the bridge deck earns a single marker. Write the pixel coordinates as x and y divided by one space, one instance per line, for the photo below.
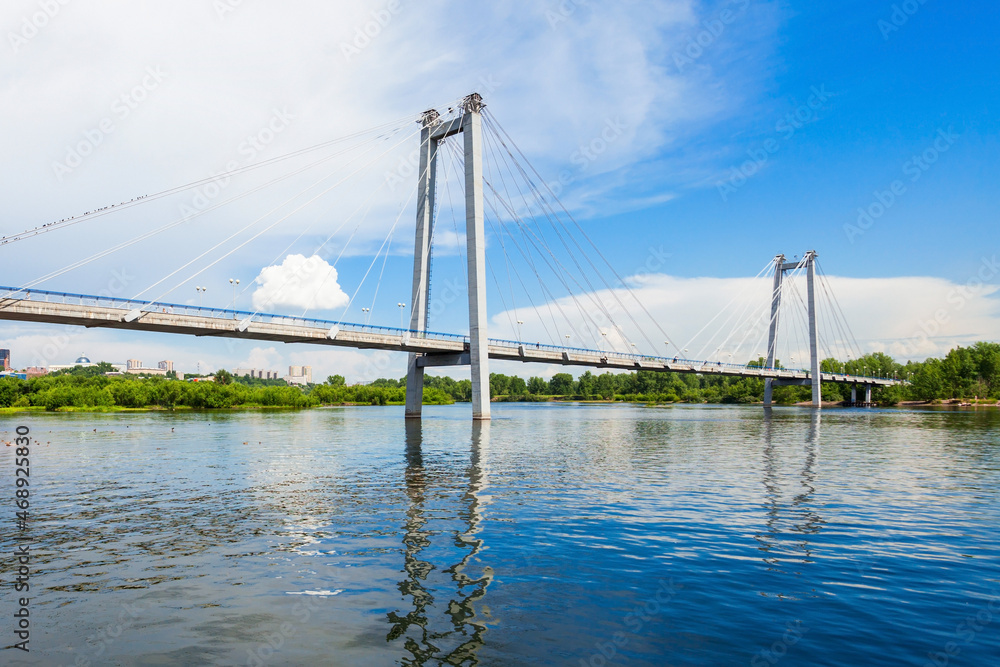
108 312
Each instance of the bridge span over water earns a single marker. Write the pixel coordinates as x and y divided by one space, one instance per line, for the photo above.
435 349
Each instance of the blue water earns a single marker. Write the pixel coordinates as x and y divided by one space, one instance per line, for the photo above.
555 535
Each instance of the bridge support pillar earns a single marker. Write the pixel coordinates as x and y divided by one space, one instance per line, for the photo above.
476 247
422 260
772 335
854 394
470 125
814 374
868 394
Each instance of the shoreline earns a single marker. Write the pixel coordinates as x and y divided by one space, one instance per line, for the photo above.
35 409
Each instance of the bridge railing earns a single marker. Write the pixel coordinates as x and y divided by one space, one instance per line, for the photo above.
636 357
101 301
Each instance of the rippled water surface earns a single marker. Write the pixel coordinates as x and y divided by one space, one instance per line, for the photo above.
555 535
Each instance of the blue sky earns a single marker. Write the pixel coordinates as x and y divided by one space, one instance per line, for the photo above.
889 98
554 74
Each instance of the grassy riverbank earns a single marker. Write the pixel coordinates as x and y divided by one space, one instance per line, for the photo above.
963 374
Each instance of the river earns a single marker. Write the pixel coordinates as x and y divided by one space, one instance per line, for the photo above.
555 535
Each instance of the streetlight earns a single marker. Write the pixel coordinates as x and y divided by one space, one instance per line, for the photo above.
366 311
402 306
234 282
604 336
519 323
201 293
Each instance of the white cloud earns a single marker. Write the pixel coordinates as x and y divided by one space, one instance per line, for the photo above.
264 359
301 282
555 86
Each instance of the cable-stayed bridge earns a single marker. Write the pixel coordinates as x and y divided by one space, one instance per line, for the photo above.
527 224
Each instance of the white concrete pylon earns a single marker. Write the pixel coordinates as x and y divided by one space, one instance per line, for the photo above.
470 125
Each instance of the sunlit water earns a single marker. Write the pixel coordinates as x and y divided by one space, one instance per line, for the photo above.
557 534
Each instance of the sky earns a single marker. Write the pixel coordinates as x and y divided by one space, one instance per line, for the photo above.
694 142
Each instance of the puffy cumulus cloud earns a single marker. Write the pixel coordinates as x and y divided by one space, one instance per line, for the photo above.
300 282
906 317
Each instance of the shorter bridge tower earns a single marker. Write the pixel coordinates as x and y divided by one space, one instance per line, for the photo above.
780 268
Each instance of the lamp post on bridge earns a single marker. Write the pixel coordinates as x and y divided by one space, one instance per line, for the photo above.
201 294
402 307
366 312
519 323
234 282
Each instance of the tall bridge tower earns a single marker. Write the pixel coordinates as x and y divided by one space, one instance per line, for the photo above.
434 132
780 268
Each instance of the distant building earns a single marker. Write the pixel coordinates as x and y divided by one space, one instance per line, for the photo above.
35 372
134 366
165 366
5 359
256 374
82 360
19 376
299 375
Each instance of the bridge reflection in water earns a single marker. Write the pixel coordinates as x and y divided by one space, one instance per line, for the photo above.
435 630
789 526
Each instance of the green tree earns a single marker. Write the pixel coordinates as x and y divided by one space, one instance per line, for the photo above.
10 391
927 380
336 381
561 384
222 376
499 384
605 385
538 386
518 387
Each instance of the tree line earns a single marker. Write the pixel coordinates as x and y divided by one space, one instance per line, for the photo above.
964 373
